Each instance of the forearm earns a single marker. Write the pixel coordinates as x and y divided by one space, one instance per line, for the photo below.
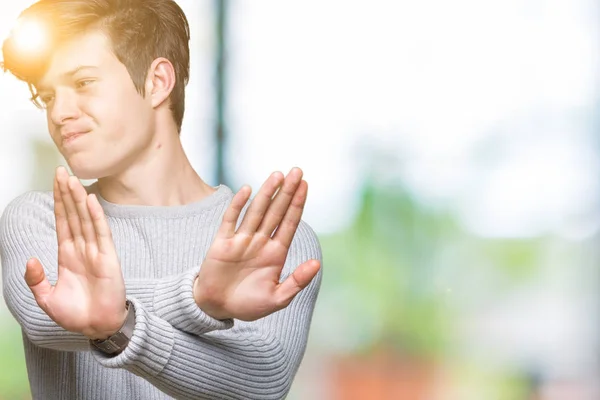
187 366
173 301
252 360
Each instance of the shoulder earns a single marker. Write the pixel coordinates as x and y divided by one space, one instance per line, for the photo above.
306 240
305 246
31 209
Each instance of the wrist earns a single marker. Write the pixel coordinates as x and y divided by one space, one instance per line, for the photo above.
118 341
207 304
118 326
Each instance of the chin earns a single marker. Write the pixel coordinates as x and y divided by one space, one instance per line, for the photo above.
85 169
86 174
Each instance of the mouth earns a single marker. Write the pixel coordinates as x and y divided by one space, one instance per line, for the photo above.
70 137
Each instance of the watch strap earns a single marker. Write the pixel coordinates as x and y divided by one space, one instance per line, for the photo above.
116 343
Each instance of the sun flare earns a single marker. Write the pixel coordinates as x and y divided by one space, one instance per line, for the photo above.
29 36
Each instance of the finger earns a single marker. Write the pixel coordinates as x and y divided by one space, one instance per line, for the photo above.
230 218
293 284
280 203
72 215
101 228
79 196
260 204
35 277
63 231
288 226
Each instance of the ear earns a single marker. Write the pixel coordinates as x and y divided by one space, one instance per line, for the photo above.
160 81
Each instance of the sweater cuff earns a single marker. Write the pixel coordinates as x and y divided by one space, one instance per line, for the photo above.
150 346
174 302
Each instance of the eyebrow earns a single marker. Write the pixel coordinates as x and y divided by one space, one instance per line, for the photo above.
71 73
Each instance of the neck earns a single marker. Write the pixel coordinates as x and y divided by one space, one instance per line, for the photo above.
161 176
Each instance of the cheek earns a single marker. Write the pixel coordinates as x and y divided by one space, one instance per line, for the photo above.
125 127
107 115
121 111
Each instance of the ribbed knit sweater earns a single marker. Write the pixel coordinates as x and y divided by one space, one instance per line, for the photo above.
176 351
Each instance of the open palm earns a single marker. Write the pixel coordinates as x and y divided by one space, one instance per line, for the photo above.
240 276
89 295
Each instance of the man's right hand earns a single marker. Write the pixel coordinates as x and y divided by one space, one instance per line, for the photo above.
89 295
239 277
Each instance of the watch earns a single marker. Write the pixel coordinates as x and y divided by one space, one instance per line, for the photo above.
116 343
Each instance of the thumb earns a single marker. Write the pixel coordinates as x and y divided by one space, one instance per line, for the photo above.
298 280
35 277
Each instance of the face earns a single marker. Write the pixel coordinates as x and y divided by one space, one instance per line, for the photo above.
96 117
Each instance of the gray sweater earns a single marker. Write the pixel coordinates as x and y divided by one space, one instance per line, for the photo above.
176 351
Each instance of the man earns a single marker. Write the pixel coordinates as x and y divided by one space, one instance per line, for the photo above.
148 284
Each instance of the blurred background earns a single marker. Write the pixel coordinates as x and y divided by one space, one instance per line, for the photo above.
452 154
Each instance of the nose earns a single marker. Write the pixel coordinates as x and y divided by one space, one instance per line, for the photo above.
64 108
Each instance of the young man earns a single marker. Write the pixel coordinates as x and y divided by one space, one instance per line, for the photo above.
148 284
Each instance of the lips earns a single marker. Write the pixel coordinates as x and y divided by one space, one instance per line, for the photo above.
71 136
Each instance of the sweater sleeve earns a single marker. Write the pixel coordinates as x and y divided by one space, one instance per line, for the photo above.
27 229
252 360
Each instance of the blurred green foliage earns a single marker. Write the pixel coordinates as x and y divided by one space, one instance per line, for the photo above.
13 375
400 268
